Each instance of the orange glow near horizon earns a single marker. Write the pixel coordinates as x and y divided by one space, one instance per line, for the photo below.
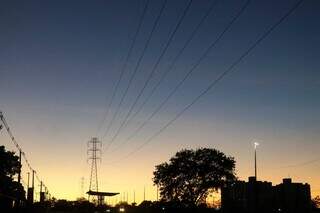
62 168
150 78
135 177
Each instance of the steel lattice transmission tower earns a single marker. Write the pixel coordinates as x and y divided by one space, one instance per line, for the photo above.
94 154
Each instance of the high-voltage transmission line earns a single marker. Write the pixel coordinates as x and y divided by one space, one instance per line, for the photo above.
190 72
170 68
146 45
226 72
151 74
123 68
94 153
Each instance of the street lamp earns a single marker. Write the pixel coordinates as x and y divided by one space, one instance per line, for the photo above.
255 159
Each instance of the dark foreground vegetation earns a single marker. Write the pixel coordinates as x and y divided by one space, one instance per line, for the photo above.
83 206
63 206
205 171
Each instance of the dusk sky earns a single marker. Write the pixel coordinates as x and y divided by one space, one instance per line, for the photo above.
60 62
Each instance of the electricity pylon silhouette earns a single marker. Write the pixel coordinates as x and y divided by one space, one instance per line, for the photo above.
94 153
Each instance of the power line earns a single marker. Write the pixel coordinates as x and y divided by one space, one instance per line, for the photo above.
137 65
17 145
124 66
171 66
193 68
301 164
153 70
221 76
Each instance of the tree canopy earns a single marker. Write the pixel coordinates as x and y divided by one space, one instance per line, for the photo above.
191 175
9 189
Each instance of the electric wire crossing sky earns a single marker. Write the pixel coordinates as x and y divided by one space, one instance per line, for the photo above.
173 74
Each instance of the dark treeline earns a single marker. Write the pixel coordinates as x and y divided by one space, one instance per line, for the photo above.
184 167
84 206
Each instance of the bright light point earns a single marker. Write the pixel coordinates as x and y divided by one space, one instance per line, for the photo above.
121 209
256 144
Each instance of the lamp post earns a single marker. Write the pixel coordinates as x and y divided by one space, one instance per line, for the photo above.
255 159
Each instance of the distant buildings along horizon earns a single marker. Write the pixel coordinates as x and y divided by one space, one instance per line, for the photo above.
261 196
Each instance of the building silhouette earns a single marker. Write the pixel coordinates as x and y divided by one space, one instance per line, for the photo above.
261 197
292 197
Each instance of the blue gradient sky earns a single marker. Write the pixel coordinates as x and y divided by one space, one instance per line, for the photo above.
59 62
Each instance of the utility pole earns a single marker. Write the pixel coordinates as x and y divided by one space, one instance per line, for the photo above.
134 196
82 187
20 166
28 173
30 193
144 193
33 178
41 193
31 189
40 186
127 198
17 204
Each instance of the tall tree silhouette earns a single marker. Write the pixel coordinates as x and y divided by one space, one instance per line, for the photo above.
10 190
191 175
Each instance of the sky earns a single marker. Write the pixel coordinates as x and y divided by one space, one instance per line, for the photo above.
60 62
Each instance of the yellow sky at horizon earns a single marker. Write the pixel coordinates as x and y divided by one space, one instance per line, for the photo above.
66 184
65 163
